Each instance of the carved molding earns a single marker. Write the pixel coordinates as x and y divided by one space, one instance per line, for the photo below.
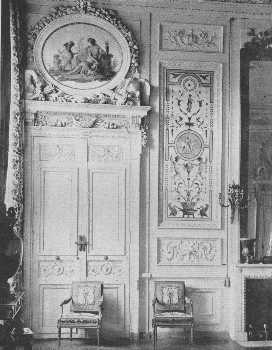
187 251
192 37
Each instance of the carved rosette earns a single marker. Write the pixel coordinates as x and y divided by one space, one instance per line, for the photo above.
189 251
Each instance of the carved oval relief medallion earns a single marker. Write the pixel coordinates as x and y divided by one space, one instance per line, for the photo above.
189 145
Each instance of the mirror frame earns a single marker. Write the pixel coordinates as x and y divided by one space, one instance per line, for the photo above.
259 48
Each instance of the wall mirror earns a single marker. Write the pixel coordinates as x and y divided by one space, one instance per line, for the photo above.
256 148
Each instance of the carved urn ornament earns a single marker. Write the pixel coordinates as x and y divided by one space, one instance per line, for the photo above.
11 250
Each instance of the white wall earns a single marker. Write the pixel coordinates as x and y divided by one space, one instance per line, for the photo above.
148 20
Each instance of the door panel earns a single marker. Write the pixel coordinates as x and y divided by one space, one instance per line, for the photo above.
58 211
50 297
107 211
114 308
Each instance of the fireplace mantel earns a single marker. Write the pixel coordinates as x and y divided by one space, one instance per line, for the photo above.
242 273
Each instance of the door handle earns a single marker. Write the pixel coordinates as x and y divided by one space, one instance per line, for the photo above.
82 243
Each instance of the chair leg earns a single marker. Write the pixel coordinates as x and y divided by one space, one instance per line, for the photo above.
71 334
98 336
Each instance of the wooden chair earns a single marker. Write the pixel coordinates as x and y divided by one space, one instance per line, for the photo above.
85 308
171 308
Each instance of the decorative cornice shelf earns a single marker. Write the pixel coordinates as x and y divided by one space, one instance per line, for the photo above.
34 106
86 116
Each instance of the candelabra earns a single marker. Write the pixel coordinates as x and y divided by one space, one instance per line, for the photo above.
236 199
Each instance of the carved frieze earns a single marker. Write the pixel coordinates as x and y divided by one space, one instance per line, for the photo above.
105 153
60 152
189 161
187 251
50 270
113 270
192 37
80 120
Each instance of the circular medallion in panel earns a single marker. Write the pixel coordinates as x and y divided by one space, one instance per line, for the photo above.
190 83
189 144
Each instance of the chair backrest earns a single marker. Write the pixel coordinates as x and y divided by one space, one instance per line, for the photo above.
86 296
170 296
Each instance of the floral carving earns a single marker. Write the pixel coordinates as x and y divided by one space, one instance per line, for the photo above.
78 120
188 251
192 38
14 183
87 120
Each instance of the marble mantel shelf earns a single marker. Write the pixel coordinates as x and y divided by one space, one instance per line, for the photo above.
254 266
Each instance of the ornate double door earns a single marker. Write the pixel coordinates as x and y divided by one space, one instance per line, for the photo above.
82 222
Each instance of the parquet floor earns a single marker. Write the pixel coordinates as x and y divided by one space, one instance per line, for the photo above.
164 343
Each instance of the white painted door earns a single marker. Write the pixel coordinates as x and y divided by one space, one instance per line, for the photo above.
80 187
